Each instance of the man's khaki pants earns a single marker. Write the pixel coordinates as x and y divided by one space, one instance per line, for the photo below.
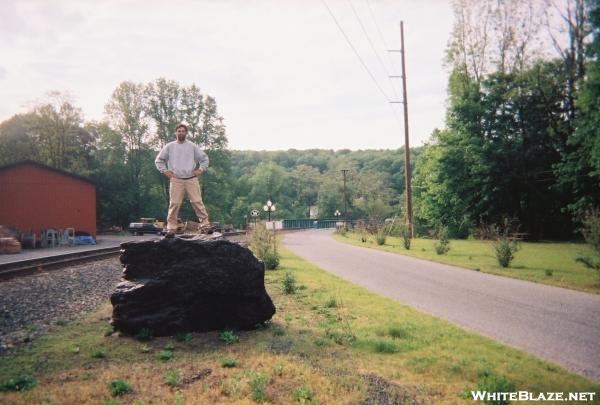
178 189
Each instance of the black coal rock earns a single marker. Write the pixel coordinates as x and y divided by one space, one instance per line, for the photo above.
176 285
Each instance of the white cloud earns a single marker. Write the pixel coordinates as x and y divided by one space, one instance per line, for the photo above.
281 72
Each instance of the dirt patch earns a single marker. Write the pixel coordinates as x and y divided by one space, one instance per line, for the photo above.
382 392
281 346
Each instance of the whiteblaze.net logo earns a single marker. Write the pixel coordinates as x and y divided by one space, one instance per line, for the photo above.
531 396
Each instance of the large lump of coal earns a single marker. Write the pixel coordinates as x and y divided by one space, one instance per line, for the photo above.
176 285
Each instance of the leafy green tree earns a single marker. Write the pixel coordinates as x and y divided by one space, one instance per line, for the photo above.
111 176
496 159
162 106
306 180
125 112
16 142
579 170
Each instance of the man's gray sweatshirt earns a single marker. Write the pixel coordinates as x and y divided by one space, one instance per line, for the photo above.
181 159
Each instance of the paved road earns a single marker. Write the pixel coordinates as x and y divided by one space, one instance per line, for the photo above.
556 324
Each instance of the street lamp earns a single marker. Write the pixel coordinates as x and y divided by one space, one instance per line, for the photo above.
337 214
270 207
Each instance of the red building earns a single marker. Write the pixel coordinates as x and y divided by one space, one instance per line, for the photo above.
34 196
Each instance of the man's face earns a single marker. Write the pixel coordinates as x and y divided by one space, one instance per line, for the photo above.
181 133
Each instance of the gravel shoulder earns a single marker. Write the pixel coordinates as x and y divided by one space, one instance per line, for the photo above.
31 304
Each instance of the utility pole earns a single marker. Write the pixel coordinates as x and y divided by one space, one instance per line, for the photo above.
344 171
407 188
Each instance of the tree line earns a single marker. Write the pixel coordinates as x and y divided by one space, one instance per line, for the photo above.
522 135
118 154
521 140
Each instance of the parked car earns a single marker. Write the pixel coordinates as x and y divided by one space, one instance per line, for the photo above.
84 238
140 228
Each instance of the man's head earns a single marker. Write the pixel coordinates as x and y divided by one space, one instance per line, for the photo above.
181 132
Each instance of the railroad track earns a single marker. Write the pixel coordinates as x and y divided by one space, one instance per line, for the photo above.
23 267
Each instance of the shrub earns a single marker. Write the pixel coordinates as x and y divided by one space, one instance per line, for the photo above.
183 337
505 243
380 237
591 229
289 284
549 272
342 231
406 238
258 385
340 337
384 346
119 387
442 246
331 303
278 369
271 261
173 378
98 354
364 232
19 383
164 355
303 394
320 342
145 334
398 228
398 332
278 332
491 382
505 249
262 241
229 363
591 233
229 337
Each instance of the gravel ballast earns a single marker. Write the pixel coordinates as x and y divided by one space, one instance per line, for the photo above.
30 304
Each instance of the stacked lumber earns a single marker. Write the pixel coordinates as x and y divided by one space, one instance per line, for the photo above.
6 232
9 245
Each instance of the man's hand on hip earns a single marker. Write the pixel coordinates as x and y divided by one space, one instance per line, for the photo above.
197 172
169 174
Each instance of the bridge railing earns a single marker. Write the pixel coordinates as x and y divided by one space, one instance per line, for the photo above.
313 223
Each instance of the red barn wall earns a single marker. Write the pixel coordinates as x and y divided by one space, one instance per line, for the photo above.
33 198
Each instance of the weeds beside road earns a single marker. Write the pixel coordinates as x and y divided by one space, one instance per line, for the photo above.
551 263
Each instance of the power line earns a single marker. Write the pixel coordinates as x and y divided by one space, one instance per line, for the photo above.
361 61
392 64
364 30
355 51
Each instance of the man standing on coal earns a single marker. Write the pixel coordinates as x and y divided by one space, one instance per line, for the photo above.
183 162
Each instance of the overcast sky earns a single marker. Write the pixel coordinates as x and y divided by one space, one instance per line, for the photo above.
281 71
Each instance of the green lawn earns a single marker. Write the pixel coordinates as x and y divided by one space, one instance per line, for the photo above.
331 342
550 263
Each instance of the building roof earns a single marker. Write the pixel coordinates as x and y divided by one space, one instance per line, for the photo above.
45 167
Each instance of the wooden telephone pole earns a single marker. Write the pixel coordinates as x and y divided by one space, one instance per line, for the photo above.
344 171
407 174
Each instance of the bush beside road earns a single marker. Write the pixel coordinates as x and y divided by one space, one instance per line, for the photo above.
551 263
